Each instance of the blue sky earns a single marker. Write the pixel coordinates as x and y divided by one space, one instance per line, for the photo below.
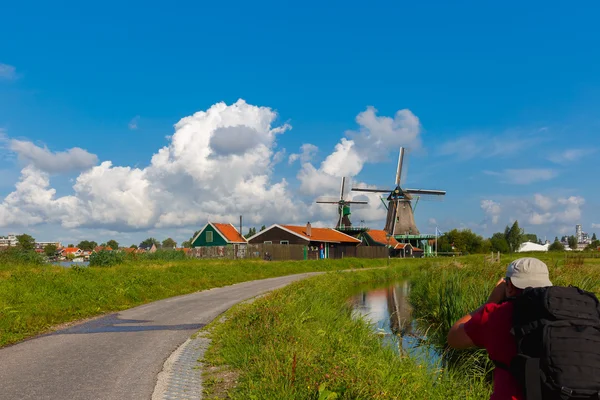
506 97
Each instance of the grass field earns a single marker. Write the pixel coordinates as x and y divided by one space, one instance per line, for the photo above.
302 343
35 298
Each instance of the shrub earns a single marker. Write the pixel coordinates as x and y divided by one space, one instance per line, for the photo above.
105 258
15 255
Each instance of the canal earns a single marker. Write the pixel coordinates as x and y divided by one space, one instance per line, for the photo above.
388 310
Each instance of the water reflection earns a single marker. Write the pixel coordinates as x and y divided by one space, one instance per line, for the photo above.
390 313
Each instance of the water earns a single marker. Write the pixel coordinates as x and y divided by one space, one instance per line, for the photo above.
389 312
69 264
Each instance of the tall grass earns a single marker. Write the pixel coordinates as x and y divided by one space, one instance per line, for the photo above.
447 290
301 342
34 298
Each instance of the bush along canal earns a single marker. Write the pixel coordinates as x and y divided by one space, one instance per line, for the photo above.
306 342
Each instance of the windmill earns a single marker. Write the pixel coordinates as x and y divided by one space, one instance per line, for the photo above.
400 216
343 220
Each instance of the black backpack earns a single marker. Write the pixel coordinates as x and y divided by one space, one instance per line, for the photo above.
557 330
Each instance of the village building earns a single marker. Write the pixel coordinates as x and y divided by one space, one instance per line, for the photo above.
71 251
98 249
531 246
319 242
145 248
379 237
216 234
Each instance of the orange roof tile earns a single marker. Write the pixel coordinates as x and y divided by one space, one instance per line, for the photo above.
70 250
379 236
230 233
322 234
100 248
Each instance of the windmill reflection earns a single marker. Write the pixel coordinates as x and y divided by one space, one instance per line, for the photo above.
387 309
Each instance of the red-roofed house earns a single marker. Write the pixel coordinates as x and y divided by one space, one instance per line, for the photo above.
215 234
74 251
102 248
321 242
377 237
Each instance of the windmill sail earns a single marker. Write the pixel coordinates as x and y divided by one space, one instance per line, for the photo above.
343 211
400 214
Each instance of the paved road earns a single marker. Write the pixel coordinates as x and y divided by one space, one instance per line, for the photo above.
118 356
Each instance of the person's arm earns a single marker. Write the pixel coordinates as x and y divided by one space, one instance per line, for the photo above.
457 336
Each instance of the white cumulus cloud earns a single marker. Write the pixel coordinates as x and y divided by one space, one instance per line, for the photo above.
75 159
307 152
218 164
491 209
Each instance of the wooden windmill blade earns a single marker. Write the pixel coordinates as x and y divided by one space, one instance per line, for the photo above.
356 202
371 190
426 192
327 200
400 164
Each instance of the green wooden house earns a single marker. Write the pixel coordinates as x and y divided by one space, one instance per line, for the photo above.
215 234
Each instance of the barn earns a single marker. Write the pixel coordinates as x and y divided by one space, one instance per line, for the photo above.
320 242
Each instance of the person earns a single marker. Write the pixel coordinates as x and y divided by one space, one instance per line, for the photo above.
489 326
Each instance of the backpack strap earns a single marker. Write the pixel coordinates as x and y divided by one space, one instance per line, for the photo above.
533 382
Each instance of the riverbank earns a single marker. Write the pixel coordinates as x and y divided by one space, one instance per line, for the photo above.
35 298
301 342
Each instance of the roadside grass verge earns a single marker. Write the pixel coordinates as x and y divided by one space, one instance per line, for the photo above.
35 298
301 342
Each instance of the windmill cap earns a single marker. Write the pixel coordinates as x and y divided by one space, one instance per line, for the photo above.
528 272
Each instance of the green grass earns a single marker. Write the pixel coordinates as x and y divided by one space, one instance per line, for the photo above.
34 298
301 342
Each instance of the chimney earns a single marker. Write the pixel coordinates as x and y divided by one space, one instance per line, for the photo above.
308 229
241 233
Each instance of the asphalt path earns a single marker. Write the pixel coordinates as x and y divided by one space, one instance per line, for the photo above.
120 355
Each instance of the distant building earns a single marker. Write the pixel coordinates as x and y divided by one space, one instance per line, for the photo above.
10 240
578 233
376 237
74 251
42 245
144 248
530 246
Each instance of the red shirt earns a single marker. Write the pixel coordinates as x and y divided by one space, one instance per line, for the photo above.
490 329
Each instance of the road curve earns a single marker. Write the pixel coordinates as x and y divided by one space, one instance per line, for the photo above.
118 356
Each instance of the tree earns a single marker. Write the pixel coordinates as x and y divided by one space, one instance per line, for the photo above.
499 243
594 238
149 242
113 244
133 246
556 238
102 244
50 250
556 246
572 241
169 243
463 240
262 228
188 243
514 236
25 242
251 232
530 237
87 245
70 245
